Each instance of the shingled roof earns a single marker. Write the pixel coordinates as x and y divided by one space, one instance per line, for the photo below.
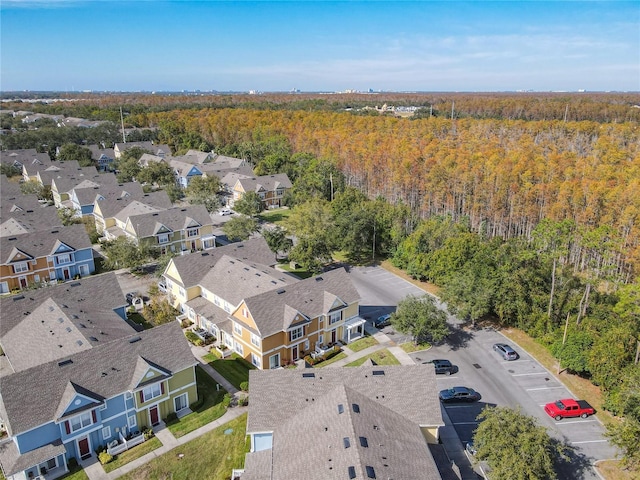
192 268
344 422
311 297
265 182
61 320
105 371
175 219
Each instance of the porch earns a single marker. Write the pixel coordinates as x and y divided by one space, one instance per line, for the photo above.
354 329
124 443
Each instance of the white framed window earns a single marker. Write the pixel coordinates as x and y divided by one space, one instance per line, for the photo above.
132 422
181 291
193 232
321 339
279 192
80 421
261 195
106 433
296 333
255 339
237 328
335 317
152 392
4 287
20 267
128 395
163 238
255 359
181 402
238 348
84 270
63 258
245 313
36 278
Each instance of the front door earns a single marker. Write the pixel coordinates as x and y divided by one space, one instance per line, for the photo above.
294 353
67 276
153 414
83 447
333 336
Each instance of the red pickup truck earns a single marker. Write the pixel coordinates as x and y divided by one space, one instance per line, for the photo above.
568 407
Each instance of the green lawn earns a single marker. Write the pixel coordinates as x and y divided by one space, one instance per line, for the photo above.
381 357
298 272
234 368
275 216
132 454
211 456
139 319
362 343
339 356
76 474
213 406
410 347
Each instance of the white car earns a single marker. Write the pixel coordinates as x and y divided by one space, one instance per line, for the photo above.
224 211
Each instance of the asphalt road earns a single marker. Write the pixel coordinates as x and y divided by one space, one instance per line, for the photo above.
522 383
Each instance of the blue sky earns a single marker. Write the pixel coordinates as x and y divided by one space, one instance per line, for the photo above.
319 46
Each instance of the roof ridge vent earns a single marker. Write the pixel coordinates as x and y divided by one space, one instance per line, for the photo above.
65 362
135 339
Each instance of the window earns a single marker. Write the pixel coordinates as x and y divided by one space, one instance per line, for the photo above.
255 359
84 270
163 238
320 339
64 258
131 422
20 267
261 195
335 317
255 339
193 232
274 361
128 396
238 348
80 421
4 287
181 402
106 433
296 333
151 392
237 328
279 192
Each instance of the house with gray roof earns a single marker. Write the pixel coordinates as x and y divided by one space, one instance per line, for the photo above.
61 320
349 423
270 188
111 209
84 177
83 199
101 397
19 158
44 256
103 157
21 213
159 150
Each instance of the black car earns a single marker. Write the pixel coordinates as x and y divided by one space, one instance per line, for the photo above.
459 394
443 366
383 321
506 351
130 296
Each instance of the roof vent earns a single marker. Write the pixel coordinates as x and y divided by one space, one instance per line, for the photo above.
319 279
308 375
281 291
355 407
363 442
19 297
93 339
205 254
54 231
346 442
65 362
135 339
352 472
12 238
79 342
75 284
371 473
378 372
340 408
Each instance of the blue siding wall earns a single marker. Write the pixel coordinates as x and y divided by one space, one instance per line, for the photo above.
38 437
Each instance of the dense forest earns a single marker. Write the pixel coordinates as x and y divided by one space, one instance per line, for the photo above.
524 209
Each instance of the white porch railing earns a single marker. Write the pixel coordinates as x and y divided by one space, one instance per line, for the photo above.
124 444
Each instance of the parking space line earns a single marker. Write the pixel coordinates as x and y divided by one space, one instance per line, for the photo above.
526 374
575 421
465 423
589 441
543 388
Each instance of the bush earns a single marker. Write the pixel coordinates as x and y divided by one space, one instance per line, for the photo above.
244 386
105 458
72 463
171 417
193 338
243 401
197 404
186 323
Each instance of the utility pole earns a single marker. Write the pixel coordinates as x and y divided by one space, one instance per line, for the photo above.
373 247
331 181
564 339
566 110
124 139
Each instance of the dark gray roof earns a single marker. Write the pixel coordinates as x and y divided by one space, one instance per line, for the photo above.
44 242
87 196
97 151
84 177
32 321
13 462
192 268
21 214
175 219
106 371
257 466
27 156
155 149
311 297
48 172
221 170
113 203
309 435
268 183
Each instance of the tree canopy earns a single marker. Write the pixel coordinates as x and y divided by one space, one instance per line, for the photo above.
420 317
249 204
240 227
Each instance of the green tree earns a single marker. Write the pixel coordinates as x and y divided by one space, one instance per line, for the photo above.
249 204
204 190
515 446
625 434
32 187
72 151
240 227
124 253
159 311
68 216
277 240
574 353
127 166
421 318
157 173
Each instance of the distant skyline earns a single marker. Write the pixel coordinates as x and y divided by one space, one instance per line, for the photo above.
106 45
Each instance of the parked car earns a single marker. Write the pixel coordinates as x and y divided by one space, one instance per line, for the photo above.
506 351
162 286
382 321
130 296
224 211
568 407
459 394
443 366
